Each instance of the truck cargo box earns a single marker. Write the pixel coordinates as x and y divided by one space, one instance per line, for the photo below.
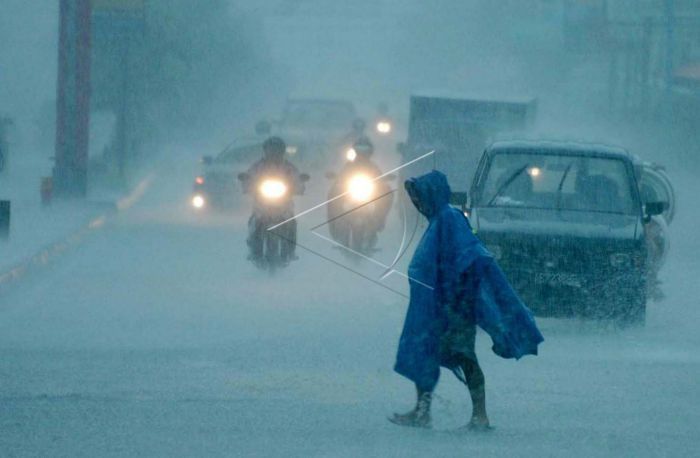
458 128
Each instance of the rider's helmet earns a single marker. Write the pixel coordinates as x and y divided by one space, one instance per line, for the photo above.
274 148
359 125
363 147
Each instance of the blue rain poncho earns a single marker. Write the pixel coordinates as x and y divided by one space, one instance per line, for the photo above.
448 254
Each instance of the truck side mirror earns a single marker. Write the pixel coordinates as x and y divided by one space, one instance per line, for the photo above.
243 177
304 177
654 208
331 175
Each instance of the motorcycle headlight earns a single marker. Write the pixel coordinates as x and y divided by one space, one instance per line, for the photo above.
351 154
273 189
361 187
384 127
292 150
198 201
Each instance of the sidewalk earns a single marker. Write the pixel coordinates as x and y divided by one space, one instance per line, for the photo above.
38 232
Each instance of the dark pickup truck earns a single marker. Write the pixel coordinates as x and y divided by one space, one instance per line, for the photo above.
567 224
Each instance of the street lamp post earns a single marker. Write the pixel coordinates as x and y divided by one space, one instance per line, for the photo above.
73 99
670 14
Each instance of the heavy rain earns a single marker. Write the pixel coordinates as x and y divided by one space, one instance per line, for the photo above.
226 230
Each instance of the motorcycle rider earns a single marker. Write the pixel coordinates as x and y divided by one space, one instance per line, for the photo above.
361 163
273 163
356 133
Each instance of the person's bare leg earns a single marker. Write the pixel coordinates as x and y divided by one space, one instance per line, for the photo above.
476 383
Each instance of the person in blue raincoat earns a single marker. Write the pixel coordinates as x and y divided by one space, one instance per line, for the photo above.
455 285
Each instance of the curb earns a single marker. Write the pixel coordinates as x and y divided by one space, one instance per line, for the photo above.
54 250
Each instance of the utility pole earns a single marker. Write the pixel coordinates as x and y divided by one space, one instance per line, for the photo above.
73 99
645 70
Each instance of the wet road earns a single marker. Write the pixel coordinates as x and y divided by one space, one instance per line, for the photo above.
156 338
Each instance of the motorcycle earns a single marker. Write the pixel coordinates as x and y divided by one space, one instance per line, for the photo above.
383 128
357 208
272 231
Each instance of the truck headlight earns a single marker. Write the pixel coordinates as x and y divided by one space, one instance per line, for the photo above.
351 154
620 260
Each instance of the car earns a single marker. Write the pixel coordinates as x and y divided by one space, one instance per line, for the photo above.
216 187
314 127
568 225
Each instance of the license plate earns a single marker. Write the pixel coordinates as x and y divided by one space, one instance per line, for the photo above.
557 279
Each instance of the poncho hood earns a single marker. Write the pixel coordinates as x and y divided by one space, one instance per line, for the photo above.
430 193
